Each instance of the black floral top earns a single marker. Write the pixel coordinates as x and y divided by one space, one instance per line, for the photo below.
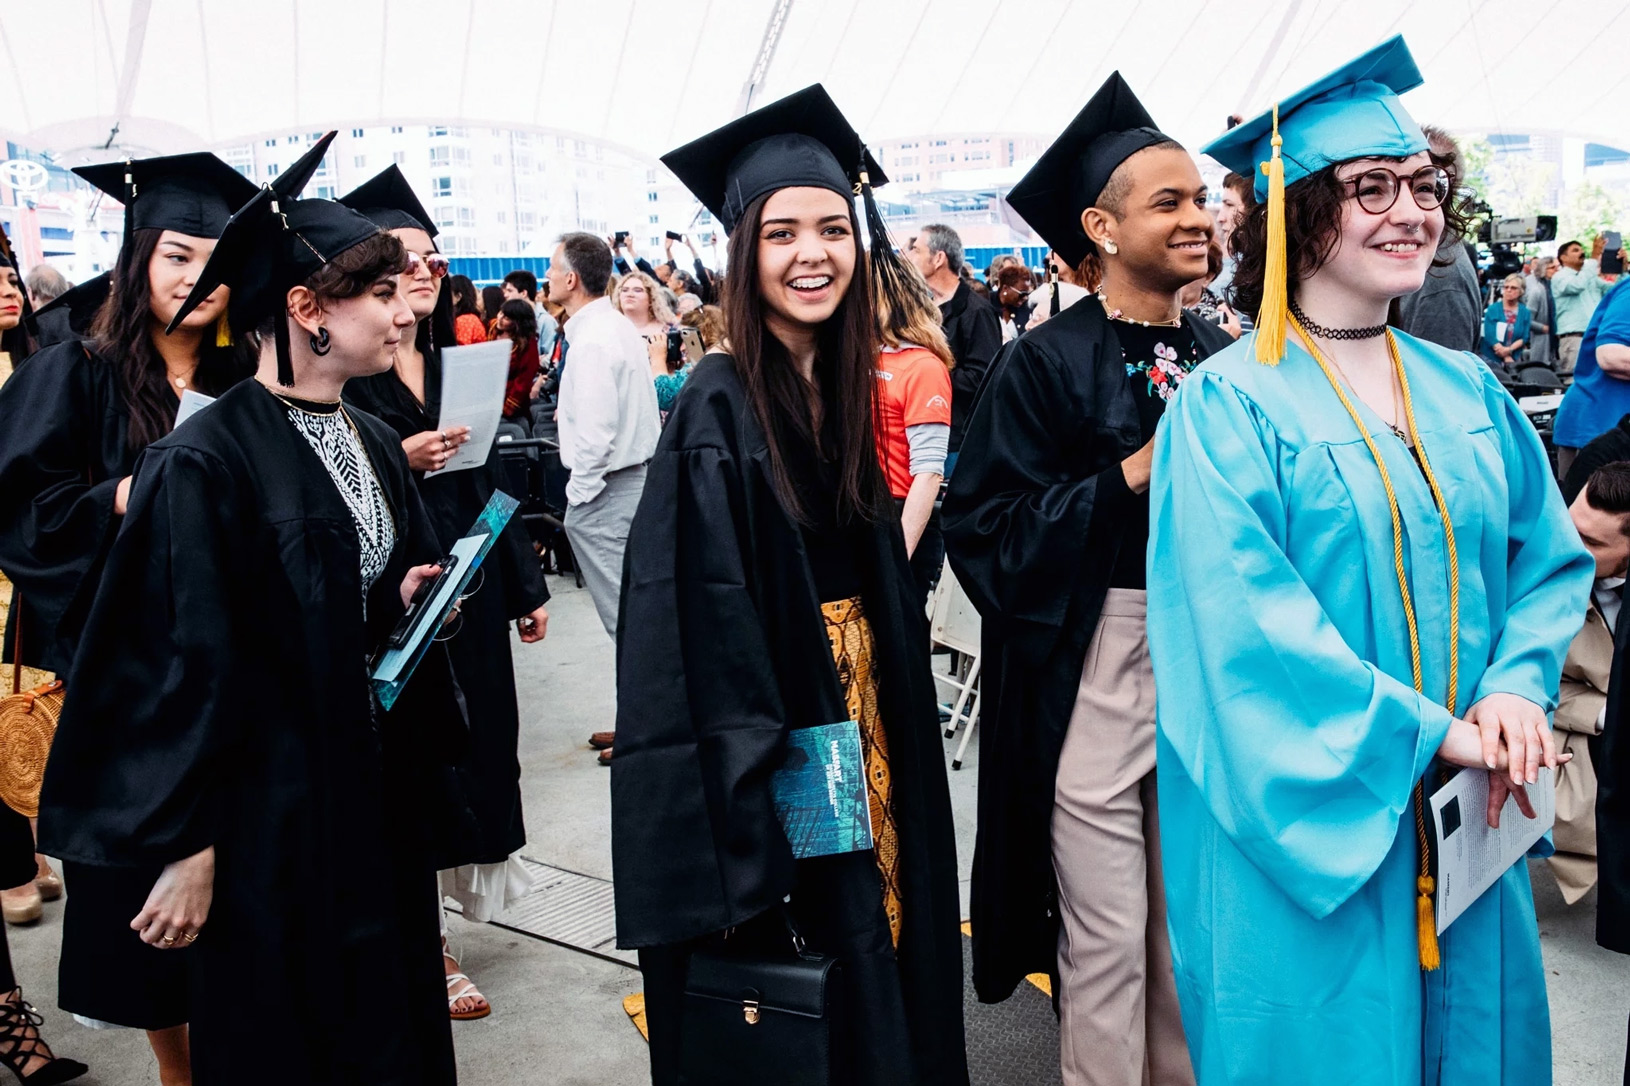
1158 359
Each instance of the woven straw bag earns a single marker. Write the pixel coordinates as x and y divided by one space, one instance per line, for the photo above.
28 722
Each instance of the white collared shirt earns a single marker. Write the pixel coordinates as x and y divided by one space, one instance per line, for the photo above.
608 404
1606 594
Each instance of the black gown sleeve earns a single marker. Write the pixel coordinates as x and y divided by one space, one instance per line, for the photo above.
1021 520
134 772
696 846
524 583
56 517
704 279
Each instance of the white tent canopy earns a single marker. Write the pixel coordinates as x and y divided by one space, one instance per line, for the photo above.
151 76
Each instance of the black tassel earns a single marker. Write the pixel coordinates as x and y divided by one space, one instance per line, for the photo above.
1053 284
285 363
891 279
130 204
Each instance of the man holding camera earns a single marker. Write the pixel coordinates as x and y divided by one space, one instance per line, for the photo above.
1600 394
1577 289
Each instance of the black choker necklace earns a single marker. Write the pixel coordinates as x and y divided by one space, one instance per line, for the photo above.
1322 332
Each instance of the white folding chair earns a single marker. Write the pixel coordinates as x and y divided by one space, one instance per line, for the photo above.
954 623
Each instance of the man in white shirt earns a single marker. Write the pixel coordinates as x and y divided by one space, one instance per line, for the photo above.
1601 514
607 415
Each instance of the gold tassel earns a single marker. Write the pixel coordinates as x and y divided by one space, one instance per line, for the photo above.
1270 320
223 331
1426 924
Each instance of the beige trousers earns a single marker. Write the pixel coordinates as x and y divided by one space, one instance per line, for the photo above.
1119 1020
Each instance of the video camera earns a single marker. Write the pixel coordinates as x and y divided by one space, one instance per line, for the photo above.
1501 235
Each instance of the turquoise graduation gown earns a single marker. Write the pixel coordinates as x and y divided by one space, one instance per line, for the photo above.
1290 734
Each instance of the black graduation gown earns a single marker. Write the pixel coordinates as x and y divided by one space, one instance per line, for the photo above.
722 648
974 331
1610 754
1033 524
220 697
512 586
64 447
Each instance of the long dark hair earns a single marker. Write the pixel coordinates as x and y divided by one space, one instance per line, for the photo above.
436 330
523 319
492 300
845 379
463 294
123 333
17 342
1313 208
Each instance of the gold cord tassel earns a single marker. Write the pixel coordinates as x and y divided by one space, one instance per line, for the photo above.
1270 321
223 331
1426 925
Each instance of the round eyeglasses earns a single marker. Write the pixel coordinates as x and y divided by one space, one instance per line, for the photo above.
1377 190
435 263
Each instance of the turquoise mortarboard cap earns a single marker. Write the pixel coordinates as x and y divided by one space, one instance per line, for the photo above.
1353 112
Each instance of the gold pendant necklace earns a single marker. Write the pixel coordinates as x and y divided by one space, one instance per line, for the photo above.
1116 315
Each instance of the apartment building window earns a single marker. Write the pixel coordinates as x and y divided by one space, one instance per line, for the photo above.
444 215
271 169
356 133
271 143
396 130
313 137
292 139
459 133
399 157
438 130
503 218
498 159
560 143
360 161
441 186
650 177
440 156
651 197
466 216
908 146
325 192
937 143
461 155
655 219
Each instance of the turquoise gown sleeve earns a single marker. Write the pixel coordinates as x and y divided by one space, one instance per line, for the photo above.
1526 659
1304 753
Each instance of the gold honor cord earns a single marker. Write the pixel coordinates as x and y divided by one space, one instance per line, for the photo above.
1425 917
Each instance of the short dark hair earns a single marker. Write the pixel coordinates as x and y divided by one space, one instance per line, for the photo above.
1112 197
590 257
523 281
1566 245
1608 489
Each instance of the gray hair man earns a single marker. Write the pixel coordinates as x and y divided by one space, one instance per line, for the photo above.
1537 297
971 325
608 423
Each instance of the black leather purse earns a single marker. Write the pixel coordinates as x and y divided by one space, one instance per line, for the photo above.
756 1019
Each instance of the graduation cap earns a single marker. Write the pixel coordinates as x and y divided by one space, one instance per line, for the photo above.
1071 174
1353 112
274 242
800 141
193 194
390 201
79 305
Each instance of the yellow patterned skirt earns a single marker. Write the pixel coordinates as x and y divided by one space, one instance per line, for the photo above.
851 638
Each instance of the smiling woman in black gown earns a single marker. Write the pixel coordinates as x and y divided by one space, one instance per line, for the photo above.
223 728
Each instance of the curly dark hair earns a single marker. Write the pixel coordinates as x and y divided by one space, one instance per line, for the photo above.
1313 207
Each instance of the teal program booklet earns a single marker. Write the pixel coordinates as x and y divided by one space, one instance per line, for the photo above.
820 791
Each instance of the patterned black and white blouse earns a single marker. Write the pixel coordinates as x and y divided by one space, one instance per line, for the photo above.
332 437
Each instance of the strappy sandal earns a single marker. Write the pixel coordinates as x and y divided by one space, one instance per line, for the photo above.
20 1042
468 991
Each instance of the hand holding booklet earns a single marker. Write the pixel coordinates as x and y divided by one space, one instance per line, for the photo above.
1472 855
472 394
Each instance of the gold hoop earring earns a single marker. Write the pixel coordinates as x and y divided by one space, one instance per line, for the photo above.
1110 246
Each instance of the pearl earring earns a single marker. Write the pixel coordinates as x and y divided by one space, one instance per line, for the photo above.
1110 247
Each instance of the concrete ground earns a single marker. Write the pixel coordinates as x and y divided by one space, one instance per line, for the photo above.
557 1014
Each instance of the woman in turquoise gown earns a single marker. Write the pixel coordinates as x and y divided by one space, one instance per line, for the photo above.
1292 729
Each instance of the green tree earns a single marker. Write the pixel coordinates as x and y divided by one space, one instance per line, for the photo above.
1588 210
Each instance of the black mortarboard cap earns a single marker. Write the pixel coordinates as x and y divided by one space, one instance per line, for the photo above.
802 140
1071 174
275 242
80 304
390 201
193 194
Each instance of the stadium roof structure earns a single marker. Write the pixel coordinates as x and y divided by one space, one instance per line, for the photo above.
97 79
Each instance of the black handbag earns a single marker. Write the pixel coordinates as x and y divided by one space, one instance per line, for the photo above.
756 1019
